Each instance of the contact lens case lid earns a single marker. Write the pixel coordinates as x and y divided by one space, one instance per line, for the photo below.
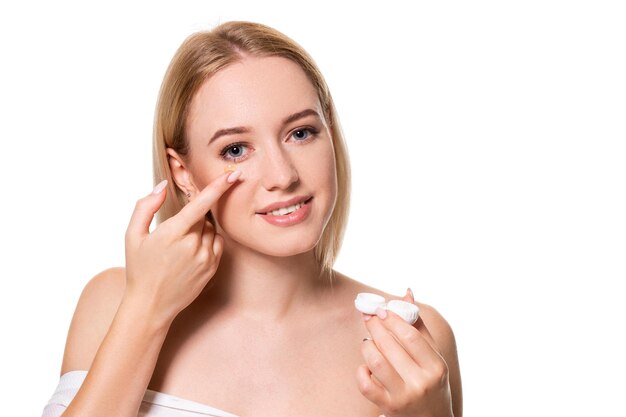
367 302
408 311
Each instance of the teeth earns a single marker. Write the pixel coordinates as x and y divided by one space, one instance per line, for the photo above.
285 210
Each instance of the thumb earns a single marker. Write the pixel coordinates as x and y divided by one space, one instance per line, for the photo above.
144 212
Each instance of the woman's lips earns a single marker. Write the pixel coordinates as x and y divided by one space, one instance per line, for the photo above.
289 219
283 204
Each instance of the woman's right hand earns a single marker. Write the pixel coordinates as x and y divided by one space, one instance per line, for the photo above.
168 268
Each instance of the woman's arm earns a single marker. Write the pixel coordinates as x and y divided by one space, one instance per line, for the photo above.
118 342
165 271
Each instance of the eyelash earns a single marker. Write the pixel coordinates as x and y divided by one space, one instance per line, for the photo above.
313 132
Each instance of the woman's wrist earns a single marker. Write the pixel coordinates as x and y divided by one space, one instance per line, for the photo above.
142 310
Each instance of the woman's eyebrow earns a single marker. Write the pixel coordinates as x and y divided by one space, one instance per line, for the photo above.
241 129
300 115
229 131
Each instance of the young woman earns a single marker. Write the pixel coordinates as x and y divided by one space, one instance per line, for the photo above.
230 306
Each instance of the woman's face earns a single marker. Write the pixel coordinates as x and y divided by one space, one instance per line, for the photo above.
263 115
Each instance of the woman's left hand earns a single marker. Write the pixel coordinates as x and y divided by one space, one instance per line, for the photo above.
404 374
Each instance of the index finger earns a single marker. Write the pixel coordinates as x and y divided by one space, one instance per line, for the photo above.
195 210
392 347
415 342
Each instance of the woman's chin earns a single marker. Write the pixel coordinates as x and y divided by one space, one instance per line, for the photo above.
281 248
287 252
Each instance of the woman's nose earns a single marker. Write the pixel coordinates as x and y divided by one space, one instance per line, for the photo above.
279 170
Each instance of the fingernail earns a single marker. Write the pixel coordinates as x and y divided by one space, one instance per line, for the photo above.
233 176
159 187
366 317
381 313
410 292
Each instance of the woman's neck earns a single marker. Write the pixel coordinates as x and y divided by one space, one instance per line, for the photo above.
261 287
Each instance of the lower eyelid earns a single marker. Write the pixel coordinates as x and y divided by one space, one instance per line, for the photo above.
237 159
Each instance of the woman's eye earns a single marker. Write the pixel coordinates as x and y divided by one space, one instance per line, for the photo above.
235 152
303 134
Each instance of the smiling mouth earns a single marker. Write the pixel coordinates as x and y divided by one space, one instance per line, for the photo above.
287 210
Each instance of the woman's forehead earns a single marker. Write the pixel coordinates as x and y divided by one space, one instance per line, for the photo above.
252 91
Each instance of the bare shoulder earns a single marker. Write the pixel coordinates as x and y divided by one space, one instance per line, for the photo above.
92 318
351 287
438 327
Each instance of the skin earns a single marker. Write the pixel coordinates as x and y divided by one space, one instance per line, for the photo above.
265 326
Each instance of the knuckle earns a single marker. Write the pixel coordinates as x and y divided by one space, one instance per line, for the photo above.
203 256
212 269
365 387
416 391
218 250
421 391
214 259
189 244
139 203
439 373
376 363
412 336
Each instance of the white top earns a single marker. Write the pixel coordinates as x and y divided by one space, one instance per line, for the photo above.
154 404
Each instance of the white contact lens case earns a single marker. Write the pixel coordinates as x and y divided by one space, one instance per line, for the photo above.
367 303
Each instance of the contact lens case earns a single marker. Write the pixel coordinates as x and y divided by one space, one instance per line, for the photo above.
367 303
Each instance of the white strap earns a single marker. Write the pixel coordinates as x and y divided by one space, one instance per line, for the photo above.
68 386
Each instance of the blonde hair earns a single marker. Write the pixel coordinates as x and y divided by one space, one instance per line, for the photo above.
202 55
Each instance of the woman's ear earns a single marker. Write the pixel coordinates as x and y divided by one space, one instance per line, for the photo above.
180 172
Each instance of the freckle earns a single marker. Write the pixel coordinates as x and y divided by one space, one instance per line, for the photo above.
230 168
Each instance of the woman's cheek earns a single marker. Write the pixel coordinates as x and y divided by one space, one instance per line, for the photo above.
330 170
234 204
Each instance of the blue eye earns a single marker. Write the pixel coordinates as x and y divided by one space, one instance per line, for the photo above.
234 152
301 135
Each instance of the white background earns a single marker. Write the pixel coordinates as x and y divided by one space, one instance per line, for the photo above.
487 140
